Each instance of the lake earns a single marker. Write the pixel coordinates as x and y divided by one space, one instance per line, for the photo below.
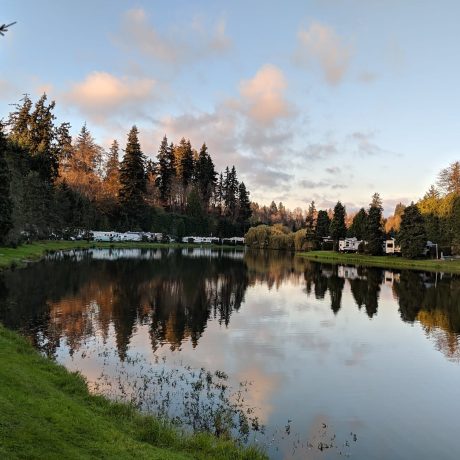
314 360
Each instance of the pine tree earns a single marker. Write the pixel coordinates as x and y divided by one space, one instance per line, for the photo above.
112 170
374 231
230 192
165 171
133 180
41 140
322 225
205 174
64 148
219 194
244 205
6 204
358 226
310 221
337 228
412 237
19 122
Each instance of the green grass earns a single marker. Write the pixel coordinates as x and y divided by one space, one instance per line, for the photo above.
34 251
47 413
447 266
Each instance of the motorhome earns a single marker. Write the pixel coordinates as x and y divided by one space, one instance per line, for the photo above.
391 247
233 240
349 245
200 239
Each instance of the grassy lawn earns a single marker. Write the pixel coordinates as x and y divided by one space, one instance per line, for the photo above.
447 266
17 256
47 413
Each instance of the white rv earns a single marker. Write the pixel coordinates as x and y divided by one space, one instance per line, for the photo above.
391 247
349 245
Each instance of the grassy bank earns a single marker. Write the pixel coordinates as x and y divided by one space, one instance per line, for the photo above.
47 412
34 251
447 266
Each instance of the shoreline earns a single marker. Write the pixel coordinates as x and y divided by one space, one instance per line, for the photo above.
32 252
47 411
390 262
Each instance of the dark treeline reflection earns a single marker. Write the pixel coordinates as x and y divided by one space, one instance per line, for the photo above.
70 297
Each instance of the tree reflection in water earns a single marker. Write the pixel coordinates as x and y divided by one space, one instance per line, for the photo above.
71 296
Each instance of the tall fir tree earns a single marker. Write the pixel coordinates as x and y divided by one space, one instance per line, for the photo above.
358 226
338 228
6 204
412 236
19 122
244 205
310 221
64 148
322 225
133 179
112 170
165 167
205 174
374 229
230 192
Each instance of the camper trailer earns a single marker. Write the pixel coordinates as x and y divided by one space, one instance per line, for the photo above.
391 247
349 245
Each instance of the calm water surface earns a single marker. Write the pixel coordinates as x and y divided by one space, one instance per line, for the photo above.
340 361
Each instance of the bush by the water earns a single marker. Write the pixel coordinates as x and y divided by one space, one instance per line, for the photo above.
278 237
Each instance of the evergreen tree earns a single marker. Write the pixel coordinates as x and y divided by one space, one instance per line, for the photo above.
19 122
166 171
310 221
322 225
112 170
205 174
244 205
337 228
412 236
374 232
6 204
133 179
41 140
64 148
358 226
230 192
219 199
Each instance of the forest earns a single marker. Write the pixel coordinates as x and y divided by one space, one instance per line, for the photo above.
53 186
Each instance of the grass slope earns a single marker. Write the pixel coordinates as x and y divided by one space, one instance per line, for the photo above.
27 252
447 266
47 413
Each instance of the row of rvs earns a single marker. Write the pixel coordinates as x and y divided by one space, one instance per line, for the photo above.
389 246
113 236
213 240
125 236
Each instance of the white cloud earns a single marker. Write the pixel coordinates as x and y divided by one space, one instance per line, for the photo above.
321 44
101 95
262 97
182 45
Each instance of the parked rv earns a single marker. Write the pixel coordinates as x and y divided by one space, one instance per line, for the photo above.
391 247
349 245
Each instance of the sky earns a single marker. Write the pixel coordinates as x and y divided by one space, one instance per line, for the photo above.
319 100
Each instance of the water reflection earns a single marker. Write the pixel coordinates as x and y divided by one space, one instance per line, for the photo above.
321 344
73 295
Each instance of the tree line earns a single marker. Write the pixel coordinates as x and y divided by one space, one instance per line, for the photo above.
435 218
54 185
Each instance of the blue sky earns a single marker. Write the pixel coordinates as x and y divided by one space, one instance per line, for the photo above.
320 99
